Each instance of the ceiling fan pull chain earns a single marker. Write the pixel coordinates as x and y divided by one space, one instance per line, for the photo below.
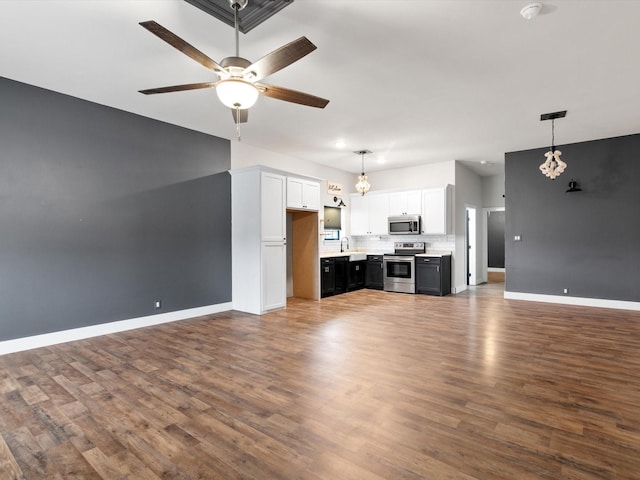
238 123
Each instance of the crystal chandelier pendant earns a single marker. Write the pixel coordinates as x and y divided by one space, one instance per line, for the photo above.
363 185
553 166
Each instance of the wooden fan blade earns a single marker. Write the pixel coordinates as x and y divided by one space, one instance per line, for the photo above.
179 88
186 48
244 115
278 59
292 96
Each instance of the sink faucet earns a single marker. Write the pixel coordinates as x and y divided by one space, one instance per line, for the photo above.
347 239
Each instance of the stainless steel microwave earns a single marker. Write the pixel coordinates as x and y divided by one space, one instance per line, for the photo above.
405 225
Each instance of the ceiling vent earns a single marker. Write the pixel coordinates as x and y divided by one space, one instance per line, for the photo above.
256 11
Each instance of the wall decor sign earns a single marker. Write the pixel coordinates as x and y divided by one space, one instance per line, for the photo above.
334 188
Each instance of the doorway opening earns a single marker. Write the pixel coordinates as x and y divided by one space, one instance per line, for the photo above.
494 239
303 268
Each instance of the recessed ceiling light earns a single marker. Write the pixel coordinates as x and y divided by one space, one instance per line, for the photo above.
532 10
340 144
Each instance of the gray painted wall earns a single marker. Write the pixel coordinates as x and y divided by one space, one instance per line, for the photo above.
102 212
495 239
586 241
467 192
493 191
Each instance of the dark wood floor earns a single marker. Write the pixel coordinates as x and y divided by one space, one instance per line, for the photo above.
366 385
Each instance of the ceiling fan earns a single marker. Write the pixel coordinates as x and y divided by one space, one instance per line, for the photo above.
239 85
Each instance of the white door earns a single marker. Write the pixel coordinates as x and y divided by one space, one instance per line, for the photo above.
434 211
294 192
414 202
274 225
397 203
405 203
359 215
274 274
311 196
379 214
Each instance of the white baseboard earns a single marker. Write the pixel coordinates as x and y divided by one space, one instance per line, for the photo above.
459 289
47 339
585 302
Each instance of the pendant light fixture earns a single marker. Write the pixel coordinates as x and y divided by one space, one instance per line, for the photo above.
362 186
553 165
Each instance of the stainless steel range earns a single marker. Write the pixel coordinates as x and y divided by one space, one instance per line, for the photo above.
400 267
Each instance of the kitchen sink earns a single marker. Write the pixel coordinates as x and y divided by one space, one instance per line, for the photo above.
357 256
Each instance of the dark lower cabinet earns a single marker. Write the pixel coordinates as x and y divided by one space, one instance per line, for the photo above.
327 277
356 275
341 274
374 275
433 275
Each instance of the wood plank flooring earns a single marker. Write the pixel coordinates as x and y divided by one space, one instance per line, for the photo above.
365 385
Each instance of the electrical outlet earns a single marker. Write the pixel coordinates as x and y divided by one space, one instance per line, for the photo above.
566 290
158 303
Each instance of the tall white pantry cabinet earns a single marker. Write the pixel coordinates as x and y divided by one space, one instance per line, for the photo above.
258 229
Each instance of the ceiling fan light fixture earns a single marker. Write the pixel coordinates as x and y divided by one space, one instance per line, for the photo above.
237 93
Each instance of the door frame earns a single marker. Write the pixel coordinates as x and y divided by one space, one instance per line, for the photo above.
471 244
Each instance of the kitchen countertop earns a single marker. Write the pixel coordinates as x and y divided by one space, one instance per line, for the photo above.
346 254
335 254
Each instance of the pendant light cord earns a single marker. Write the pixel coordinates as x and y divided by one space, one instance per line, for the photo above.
553 136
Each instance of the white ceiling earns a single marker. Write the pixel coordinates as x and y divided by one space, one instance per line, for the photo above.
414 81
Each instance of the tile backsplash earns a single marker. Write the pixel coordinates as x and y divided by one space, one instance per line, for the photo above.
384 243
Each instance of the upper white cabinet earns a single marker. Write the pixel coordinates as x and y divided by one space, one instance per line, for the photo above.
303 194
273 217
369 214
436 211
405 203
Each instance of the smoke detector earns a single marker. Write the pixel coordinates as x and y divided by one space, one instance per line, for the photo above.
531 10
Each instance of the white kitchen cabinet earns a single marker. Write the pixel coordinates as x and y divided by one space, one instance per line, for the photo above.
274 273
359 215
436 210
369 214
405 203
272 207
379 214
258 235
303 194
